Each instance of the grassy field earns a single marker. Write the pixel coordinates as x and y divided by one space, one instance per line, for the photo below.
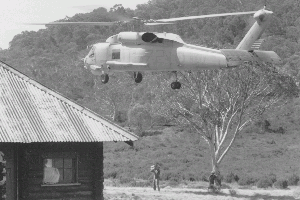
113 190
184 156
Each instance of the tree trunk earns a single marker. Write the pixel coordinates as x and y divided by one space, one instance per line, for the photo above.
214 162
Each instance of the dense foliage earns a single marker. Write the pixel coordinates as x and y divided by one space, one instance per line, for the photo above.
52 56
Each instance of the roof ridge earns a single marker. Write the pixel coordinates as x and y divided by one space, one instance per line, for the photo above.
60 97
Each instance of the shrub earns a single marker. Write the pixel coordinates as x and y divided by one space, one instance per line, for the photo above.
172 175
192 179
121 116
280 130
246 180
150 133
139 116
293 179
133 183
272 177
111 174
126 180
262 126
232 192
139 183
221 177
236 178
204 178
281 184
158 120
143 184
173 183
176 178
229 178
190 176
264 182
139 130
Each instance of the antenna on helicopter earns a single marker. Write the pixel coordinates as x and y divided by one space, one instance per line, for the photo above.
265 4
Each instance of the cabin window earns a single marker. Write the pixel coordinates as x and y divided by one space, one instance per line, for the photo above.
60 169
116 54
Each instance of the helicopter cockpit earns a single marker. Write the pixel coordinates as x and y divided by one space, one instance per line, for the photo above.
97 57
91 54
90 58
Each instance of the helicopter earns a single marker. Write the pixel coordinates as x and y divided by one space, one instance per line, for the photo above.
166 52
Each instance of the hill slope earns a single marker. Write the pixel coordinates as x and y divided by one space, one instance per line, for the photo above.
52 56
185 158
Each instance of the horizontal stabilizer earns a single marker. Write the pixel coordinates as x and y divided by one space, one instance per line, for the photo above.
236 57
267 56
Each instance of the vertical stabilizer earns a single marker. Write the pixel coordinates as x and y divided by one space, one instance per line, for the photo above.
263 18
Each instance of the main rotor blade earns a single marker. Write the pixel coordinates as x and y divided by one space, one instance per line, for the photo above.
157 23
205 16
74 23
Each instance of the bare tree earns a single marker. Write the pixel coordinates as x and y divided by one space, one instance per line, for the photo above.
218 104
115 96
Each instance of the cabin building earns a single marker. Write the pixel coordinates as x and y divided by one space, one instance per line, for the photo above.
50 147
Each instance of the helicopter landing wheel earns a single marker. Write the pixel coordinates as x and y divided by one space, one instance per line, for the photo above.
138 77
175 85
104 78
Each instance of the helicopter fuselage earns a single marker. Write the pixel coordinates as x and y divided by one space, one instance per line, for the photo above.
162 54
146 51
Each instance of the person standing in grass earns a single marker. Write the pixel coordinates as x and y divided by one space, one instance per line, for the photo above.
214 181
211 180
155 169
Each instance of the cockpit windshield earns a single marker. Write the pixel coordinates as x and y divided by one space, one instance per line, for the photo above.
91 54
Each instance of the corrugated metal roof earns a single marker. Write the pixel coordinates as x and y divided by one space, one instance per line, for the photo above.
30 112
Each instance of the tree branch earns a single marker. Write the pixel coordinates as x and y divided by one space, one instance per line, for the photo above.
234 135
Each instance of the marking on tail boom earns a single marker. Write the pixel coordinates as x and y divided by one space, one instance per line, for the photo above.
256 45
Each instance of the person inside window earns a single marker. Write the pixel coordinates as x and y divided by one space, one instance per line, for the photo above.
51 174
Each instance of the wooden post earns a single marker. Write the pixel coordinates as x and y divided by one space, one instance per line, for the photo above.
98 171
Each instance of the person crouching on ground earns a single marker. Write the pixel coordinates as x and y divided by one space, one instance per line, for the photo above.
155 169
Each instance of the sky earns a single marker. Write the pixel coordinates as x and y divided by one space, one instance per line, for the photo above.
15 12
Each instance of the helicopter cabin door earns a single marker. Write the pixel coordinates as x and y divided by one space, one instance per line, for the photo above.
101 53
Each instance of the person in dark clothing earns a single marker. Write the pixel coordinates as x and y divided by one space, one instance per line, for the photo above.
214 182
211 179
155 169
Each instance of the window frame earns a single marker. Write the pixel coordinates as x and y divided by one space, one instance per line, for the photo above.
91 54
58 155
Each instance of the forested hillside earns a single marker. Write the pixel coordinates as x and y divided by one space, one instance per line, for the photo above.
52 57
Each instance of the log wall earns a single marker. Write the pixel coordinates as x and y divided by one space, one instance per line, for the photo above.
90 172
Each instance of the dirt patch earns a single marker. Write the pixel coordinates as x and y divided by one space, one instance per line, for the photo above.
169 193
